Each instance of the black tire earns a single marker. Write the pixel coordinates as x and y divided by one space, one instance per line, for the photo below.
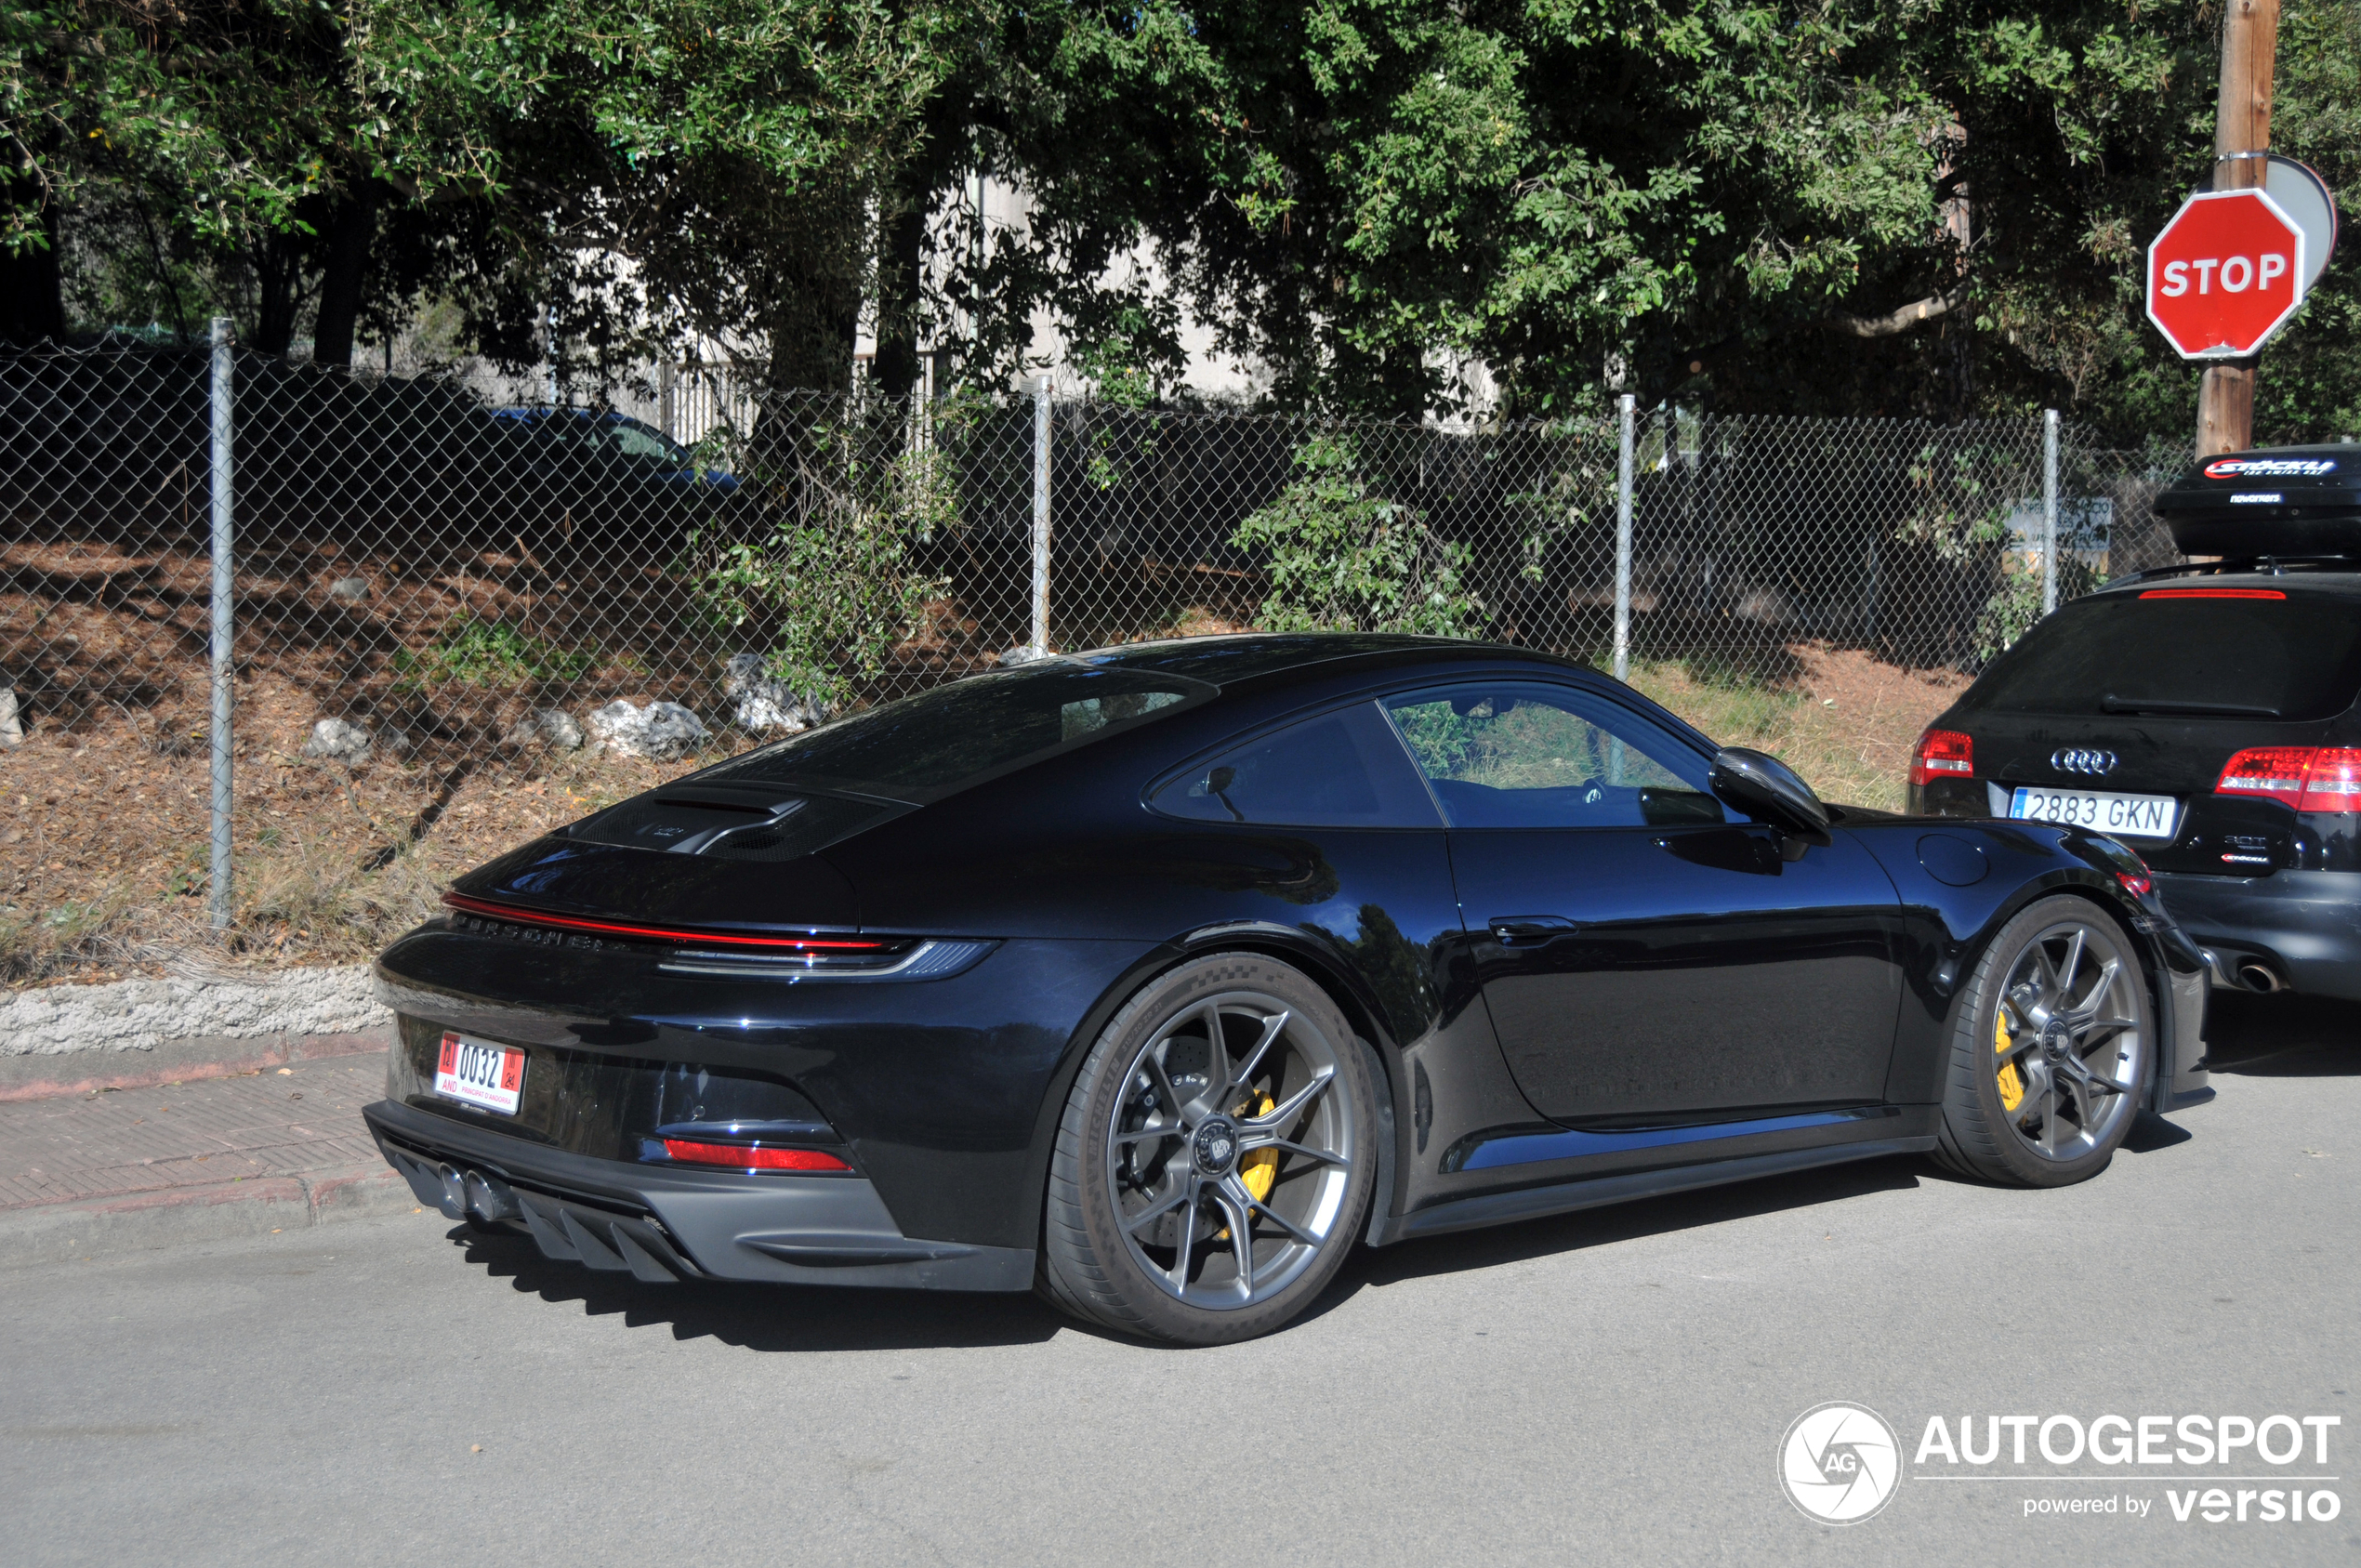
2016 1108
1153 1163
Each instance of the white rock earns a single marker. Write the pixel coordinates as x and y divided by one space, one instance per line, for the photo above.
670 731
352 590
659 731
761 703
548 726
11 728
339 741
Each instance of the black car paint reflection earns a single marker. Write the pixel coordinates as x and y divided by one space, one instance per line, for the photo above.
1705 998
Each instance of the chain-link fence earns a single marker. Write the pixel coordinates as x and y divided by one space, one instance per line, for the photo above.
430 573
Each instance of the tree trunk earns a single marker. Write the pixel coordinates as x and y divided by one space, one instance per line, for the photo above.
347 265
32 290
277 274
901 268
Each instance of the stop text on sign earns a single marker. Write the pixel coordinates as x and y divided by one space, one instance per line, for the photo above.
2239 273
2226 273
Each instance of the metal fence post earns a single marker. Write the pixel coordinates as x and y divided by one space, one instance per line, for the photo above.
1041 516
1625 407
224 591
2048 510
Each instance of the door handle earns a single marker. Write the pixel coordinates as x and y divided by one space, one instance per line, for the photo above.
1511 929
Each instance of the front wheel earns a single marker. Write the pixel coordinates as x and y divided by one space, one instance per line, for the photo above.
1215 1159
2053 1050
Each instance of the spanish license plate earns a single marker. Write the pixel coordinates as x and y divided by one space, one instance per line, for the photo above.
2131 816
479 1073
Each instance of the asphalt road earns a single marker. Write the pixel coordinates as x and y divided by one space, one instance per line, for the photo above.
1609 1386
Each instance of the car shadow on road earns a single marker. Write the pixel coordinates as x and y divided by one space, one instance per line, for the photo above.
1619 1222
768 1317
2283 1037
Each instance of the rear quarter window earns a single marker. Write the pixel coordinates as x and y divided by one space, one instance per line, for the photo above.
2189 647
1339 769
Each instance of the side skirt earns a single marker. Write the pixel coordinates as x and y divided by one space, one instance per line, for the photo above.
1533 1203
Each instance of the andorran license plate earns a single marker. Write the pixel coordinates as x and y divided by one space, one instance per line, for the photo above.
479 1073
2131 816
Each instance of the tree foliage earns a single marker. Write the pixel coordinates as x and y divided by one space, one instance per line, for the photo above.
1936 207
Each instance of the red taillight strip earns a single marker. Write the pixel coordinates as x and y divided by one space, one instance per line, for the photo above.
741 1157
655 933
2212 593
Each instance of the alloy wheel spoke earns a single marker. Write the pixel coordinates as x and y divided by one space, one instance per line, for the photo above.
2073 965
1161 1208
1163 1083
1287 1146
2047 971
1283 1115
1271 1028
1180 1271
2099 1030
1240 1218
1144 1133
1281 1220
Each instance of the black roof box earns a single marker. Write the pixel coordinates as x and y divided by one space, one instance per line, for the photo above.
2280 501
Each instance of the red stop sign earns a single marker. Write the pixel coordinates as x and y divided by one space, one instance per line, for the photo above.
2224 274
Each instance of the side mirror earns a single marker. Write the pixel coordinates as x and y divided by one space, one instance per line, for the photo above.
1767 790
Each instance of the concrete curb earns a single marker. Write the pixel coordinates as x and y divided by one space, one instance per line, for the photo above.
50 1234
175 1062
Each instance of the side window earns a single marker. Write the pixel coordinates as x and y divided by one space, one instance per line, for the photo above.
1514 755
1341 770
634 441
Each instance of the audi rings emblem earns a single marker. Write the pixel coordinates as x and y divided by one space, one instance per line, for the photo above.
2072 759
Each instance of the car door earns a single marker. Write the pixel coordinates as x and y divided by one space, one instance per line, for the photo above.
1646 957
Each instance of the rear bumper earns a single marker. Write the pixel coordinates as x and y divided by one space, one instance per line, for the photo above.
2306 924
663 1223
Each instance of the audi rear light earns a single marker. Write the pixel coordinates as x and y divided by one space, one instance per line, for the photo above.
2274 772
1942 754
2308 778
739 1156
2333 781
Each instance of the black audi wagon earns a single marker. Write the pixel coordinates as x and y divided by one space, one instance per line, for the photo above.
2203 714
1157 979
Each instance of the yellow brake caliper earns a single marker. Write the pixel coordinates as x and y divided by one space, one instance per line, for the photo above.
2011 1086
1259 1170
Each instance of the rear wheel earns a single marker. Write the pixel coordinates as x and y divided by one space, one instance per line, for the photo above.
1213 1165
2053 1048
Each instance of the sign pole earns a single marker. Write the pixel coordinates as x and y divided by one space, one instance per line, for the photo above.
2241 153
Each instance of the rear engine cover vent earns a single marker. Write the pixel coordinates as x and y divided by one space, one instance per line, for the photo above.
688 821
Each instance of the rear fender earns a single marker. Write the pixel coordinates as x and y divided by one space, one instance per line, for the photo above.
1948 926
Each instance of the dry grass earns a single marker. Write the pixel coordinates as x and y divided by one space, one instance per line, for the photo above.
1843 720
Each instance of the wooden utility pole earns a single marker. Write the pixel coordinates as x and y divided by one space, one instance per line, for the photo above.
2241 145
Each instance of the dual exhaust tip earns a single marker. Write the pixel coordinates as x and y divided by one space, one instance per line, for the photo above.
470 1195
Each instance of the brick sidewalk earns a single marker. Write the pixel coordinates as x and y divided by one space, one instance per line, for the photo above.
115 1144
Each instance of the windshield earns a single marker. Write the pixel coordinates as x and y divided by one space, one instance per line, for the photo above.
923 747
2248 653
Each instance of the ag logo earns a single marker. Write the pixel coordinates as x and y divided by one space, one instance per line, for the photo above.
1840 1463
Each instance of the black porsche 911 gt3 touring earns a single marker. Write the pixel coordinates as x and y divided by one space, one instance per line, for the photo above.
1155 979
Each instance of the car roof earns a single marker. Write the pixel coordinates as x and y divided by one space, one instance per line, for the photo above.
2338 576
1235 658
